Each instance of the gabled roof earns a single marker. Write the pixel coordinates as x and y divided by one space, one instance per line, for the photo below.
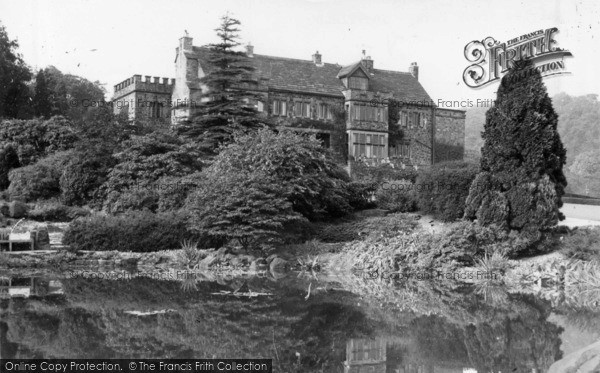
303 76
350 69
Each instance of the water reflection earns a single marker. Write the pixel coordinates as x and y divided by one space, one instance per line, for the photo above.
425 329
24 287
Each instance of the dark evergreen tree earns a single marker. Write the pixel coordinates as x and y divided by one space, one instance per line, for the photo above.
42 97
14 74
229 106
521 180
8 160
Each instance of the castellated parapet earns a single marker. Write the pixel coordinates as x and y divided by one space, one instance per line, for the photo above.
147 84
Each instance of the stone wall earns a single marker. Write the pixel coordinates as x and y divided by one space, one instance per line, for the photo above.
419 135
449 135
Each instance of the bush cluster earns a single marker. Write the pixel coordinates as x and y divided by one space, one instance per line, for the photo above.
380 172
40 180
139 231
443 189
583 244
357 229
57 212
396 196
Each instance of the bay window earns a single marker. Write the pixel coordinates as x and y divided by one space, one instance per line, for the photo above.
368 145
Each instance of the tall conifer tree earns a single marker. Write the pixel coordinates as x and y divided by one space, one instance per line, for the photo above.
229 106
521 180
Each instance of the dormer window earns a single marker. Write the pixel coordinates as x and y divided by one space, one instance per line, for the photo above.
357 82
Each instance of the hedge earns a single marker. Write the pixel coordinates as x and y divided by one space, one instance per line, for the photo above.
139 231
443 189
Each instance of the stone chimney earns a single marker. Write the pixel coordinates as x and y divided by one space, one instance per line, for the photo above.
250 50
165 80
185 43
317 59
414 70
148 78
367 62
157 79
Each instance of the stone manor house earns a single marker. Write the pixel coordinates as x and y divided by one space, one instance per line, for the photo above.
359 111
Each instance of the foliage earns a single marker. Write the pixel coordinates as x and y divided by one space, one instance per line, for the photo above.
83 176
583 244
396 196
9 159
134 183
36 138
139 231
40 180
41 98
226 110
14 75
494 264
586 169
360 194
177 190
66 89
359 229
381 172
522 157
56 211
301 168
100 128
448 152
443 189
241 206
577 125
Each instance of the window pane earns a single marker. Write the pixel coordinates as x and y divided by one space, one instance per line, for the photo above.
362 138
283 108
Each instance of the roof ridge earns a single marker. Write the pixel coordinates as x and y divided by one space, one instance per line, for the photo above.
393 71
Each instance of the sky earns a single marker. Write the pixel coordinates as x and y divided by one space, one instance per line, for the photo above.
110 41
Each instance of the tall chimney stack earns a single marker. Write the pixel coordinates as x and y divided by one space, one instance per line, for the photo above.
250 50
317 59
367 62
414 70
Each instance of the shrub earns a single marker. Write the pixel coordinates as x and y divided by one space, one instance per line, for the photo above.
40 180
300 166
134 182
396 196
360 194
356 229
37 138
583 244
380 172
443 189
242 207
176 190
57 212
83 175
139 231
8 160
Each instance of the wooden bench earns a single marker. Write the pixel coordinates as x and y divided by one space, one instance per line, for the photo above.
11 238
